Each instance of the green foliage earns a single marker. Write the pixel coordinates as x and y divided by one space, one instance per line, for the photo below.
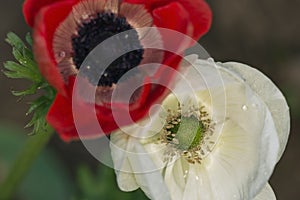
47 179
26 68
102 185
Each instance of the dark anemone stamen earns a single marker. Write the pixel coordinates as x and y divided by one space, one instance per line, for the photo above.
95 31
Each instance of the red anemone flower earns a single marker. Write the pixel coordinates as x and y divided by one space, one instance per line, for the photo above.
66 32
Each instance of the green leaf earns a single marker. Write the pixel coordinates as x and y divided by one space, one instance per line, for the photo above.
29 39
30 91
15 70
14 41
27 68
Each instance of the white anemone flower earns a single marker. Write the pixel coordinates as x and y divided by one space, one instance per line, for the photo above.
217 136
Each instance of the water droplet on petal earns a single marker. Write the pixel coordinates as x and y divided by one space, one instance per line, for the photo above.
211 60
62 54
185 174
85 16
254 105
244 108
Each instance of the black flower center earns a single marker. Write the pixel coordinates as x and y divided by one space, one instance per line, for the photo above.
95 31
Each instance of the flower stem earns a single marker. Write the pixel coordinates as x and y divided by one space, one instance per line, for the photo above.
33 147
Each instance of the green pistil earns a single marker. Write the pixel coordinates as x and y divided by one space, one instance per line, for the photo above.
188 132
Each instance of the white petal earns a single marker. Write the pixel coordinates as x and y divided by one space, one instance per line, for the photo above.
202 75
266 194
271 95
135 167
243 160
198 184
269 147
120 145
191 188
204 189
175 178
151 182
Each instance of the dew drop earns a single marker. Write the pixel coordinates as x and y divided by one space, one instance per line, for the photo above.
85 16
211 60
88 67
244 108
23 62
62 54
254 105
185 174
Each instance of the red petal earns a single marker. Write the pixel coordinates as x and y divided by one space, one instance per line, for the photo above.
200 14
172 16
32 7
46 64
60 117
46 23
61 114
159 91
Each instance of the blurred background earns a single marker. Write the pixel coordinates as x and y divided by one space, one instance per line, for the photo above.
262 33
